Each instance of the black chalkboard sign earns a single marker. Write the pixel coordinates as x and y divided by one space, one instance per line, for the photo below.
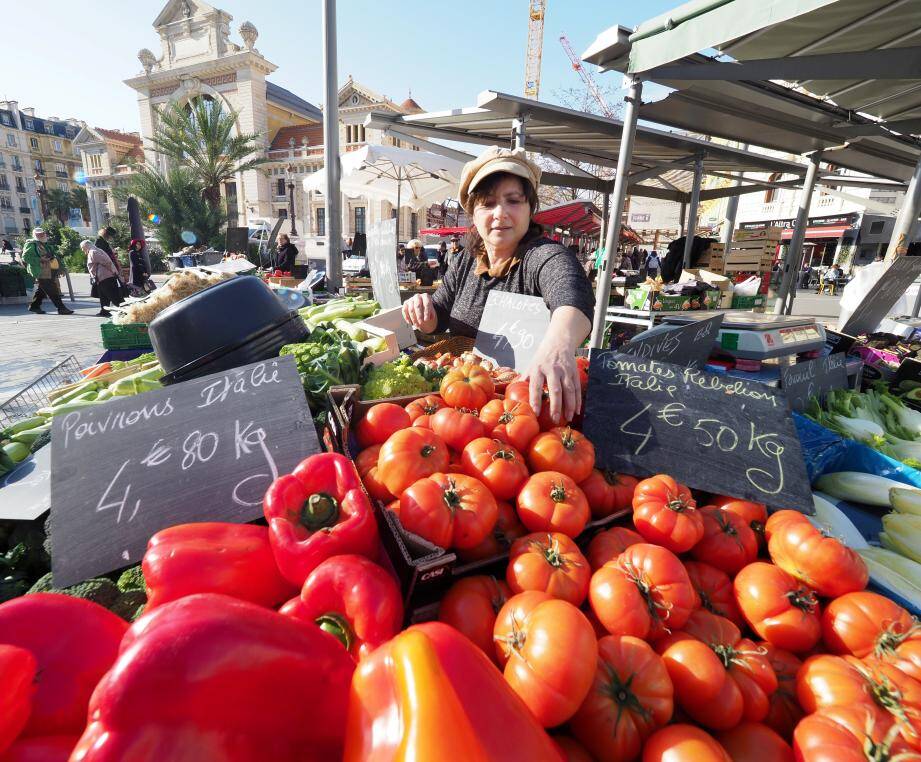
711 432
813 378
837 342
511 329
236 241
688 346
886 291
203 450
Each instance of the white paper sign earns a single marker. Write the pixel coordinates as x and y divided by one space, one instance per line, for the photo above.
382 262
512 327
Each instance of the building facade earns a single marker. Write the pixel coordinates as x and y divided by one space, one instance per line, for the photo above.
109 157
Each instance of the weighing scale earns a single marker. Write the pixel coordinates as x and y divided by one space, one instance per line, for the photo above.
758 336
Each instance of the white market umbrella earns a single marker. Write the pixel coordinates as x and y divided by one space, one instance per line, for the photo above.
399 175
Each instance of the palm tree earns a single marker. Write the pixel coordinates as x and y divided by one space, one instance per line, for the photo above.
81 201
200 137
60 202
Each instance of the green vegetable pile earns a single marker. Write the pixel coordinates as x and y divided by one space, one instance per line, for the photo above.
395 379
348 308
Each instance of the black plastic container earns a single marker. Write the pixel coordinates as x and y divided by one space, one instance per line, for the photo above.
234 323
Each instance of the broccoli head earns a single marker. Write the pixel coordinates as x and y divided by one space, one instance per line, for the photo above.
99 590
399 378
132 579
130 605
43 584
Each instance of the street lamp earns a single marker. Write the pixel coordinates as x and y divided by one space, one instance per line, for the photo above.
289 172
40 190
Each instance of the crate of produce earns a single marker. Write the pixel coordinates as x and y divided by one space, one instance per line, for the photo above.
644 298
125 336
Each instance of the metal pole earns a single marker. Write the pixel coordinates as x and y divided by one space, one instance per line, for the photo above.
908 214
793 262
692 209
331 150
682 218
518 132
399 188
605 208
732 209
619 193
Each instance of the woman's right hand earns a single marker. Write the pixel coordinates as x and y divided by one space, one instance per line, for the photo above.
419 312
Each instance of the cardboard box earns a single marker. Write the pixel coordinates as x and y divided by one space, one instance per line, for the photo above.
393 349
285 282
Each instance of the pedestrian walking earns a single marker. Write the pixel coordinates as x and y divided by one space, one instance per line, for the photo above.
103 277
103 241
41 260
652 264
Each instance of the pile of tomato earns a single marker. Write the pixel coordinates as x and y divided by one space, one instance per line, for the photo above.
704 630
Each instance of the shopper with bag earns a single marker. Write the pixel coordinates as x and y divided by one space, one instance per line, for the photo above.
103 277
41 260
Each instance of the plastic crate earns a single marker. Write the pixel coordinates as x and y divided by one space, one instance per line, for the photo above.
125 336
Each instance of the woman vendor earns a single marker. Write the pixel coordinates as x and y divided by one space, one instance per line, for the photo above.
506 251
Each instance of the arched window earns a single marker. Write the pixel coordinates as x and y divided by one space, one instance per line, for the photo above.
771 193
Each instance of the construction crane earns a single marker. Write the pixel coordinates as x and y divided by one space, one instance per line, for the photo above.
587 78
536 10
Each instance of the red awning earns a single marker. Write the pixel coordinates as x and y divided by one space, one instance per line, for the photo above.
575 217
443 231
832 231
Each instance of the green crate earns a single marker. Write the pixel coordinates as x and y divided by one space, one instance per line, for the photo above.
644 298
125 336
748 302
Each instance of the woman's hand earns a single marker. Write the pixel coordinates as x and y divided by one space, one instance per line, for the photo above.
419 312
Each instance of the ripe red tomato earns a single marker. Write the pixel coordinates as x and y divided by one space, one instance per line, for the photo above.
785 710
630 698
366 463
510 421
408 456
520 391
754 514
778 607
683 743
471 605
380 422
563 450
720 677
609 544
714 591
449 510
551 655
469 386
845 733
498 465
498 542
728 542
644 593
457 427
552 502
550 563
824 563
754 742
607 492
665 514
421 410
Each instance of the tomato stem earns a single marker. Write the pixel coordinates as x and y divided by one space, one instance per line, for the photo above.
451 497
319 510
621 693
890 638
558 492
427 450
803 599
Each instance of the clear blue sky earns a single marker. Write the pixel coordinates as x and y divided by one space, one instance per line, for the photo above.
447 52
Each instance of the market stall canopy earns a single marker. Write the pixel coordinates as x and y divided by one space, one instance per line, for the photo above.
575 216
399 175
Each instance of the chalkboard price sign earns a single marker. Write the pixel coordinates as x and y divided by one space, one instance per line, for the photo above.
813 378
204 450
894 282
688 346
511 328
710 432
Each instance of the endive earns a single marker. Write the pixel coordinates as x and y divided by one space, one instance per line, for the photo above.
857 487
905 500
903 532
880 565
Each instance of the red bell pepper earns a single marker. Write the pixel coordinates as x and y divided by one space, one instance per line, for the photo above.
430 693
213 557
209 677
17 676
74 642
41 749
352 598
318 512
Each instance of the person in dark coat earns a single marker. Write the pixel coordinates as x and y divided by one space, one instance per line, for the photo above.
138 262
103 242
287 254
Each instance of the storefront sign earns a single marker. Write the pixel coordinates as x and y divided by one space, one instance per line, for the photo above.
688 346
382 262
204 450
846 219
715 433
892 284
511 329
813 378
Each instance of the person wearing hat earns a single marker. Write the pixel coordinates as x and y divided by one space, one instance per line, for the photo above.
508 252
41 260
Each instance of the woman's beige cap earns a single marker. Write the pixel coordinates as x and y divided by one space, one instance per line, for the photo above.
492 160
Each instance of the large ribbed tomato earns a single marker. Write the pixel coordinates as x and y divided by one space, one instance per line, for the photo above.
683 743
824 563
565 450
867 624
551 563
507 529
469 386
778 607
449 510
421 410
754 742
644 593
754 514
380 422
550 654
785 710
630 698
510 421
497 464
728 543
471 606
608 492
552 502
366 463
665 514
720 677
457 427
858 733
408 456
714 591
520 391
609 544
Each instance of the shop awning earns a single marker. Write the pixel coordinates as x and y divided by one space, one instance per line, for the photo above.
574 216
831 231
